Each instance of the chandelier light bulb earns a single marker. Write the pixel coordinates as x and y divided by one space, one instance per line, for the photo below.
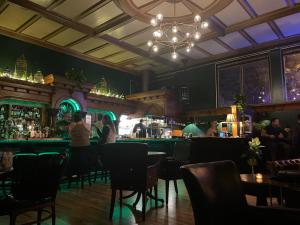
197 18
159 17
153 22
204 25
187 34
197 35
174 39
155 48
174 55
192 44
188 49
157 34
174 29
149 43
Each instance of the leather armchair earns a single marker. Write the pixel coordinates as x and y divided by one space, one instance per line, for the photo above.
217 198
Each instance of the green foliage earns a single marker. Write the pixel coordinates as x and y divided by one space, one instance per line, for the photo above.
240 102
75 75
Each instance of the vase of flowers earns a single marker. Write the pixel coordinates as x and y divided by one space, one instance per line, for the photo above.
254 150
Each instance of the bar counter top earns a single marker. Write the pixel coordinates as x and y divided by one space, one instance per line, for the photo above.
58 144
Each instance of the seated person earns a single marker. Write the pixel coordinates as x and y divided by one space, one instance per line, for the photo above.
276 142
212 130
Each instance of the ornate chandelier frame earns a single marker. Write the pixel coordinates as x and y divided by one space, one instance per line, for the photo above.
175 34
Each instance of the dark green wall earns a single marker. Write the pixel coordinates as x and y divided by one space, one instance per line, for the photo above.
49 61
277 79
201 82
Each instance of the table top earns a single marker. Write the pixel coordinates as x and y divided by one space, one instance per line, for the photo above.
156 153
268 179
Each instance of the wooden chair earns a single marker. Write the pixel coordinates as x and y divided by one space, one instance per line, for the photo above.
80 165
35 181
127 163
169 169
216 194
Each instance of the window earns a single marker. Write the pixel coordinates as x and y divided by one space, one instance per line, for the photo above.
229 85
251 79
292 76
256 82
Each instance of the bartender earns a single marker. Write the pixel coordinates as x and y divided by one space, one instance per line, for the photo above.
62 126
140 129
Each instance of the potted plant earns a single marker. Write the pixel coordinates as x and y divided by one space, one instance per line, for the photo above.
253 153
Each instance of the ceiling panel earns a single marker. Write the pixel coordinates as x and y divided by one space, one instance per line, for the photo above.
166 9
289 25
168 56
14 16
235 40
41 28
265 6
203 3
261 33
66 37
226 15
128 29
212 47
88 44
44 3
102 15
72 8
194 53
106 51
121 57
140 38
140 3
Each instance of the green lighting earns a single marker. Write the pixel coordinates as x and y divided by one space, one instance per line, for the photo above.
21 102
111 114
73 103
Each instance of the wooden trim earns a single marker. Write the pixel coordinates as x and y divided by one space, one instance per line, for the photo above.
63 50
290 3
133 49
248 37
288 106
242 53
54 16
28 23
248 8
276 29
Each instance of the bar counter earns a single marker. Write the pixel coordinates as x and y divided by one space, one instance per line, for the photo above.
56 144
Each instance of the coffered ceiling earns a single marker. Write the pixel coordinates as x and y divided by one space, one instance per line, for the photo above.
114 33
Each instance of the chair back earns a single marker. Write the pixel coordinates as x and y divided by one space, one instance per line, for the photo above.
127 163
215 192
182 150
37 176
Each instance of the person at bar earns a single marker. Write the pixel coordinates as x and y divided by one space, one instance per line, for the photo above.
109 132
212 130
275 138
96 127
80 157
140 129
62 126
79 131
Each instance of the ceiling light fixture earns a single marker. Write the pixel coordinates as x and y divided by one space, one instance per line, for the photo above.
176 35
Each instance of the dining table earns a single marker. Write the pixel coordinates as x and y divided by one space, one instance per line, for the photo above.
265 186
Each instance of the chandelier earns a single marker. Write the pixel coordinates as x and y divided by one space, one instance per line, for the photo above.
174 34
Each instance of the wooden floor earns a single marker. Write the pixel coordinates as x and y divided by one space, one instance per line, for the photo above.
90 206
